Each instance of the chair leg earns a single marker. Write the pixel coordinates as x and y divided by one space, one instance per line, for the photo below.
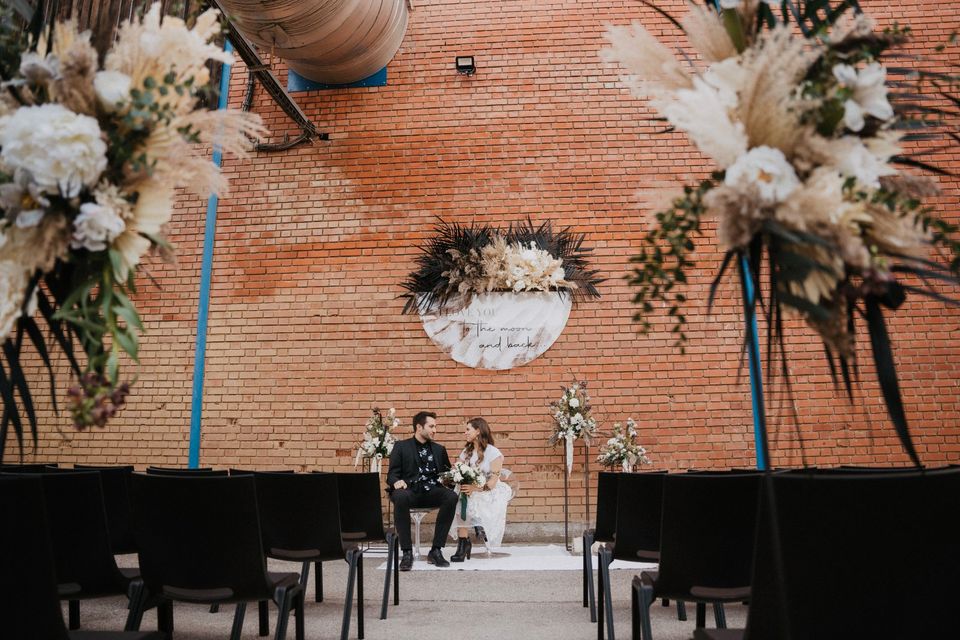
318 582
238 616
681 610
300 605
719 615
165 617
283 596
607 596
386 578
601 594
138 596
263 613
360 595
396 569
73 608
589 599
304 574
635 609
701 615
348 598
214 608
646 600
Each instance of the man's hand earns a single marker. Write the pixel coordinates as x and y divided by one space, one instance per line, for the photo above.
399 484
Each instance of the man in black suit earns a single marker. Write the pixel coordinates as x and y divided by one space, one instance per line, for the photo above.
414 478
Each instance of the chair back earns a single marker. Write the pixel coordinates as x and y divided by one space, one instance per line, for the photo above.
299 515
361 514
29 606
80 537
185 472
115 482
199 537
28 468
856 556
639 505
606 524
707 533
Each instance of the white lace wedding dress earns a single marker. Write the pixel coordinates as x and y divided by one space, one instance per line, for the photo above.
487 509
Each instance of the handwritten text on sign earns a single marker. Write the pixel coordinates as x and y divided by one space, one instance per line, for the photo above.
500 330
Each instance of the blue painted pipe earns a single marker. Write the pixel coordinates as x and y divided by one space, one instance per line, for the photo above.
753 354
206 271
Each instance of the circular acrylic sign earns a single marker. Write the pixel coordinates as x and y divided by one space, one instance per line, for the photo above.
499 330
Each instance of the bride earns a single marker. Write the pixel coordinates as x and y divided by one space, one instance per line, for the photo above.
487 505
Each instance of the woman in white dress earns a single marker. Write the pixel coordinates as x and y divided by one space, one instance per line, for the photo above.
487 505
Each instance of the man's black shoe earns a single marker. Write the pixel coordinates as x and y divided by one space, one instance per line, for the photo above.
406 562
435 557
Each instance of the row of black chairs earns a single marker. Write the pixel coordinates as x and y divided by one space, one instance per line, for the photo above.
202 536
775 541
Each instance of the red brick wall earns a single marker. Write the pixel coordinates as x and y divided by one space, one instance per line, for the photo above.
306 333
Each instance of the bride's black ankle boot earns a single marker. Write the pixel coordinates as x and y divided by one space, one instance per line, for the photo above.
463 550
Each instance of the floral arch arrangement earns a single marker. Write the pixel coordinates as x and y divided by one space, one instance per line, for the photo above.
792 103
498 298
91 158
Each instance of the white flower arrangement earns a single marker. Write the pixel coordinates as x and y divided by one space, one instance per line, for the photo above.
572 419
91 157
795 113
622 449
463 473
378 439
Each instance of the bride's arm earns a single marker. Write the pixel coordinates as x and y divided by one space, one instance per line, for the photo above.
494 476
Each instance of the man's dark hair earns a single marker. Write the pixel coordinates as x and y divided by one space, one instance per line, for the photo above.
421 419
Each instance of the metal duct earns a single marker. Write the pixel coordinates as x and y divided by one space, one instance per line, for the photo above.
329 41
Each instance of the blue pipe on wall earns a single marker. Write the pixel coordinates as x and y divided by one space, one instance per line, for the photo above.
206 271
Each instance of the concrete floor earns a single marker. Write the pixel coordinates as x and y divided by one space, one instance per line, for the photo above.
434 605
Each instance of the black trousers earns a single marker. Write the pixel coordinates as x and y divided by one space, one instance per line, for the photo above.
438 496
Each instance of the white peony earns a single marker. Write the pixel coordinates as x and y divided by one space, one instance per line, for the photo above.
869 94
574 403
113 89
61 150
96 227
764 171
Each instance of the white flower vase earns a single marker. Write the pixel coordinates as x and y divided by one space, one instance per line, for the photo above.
568 442
627 467
375 462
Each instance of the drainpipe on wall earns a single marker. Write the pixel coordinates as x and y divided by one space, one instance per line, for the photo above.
206 271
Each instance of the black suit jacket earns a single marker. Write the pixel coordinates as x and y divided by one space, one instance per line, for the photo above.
405 464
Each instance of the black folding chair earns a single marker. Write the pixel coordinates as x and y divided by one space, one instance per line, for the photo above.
603 531
199 541
843 556
203 472
29 606
115 482
83 556
706 546
300 522
361 522
636 537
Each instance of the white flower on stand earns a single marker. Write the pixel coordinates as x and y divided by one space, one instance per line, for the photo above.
869 94
62 151
574 403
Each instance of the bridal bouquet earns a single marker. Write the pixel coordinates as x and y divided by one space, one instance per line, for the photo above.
804 130
91 158
378 440
461 262
572 419
463 473
622 449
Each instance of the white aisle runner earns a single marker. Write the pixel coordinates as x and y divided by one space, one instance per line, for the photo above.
549 557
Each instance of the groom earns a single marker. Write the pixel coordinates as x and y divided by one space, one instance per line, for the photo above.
414 481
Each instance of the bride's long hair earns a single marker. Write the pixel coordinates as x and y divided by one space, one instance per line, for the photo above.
484 438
